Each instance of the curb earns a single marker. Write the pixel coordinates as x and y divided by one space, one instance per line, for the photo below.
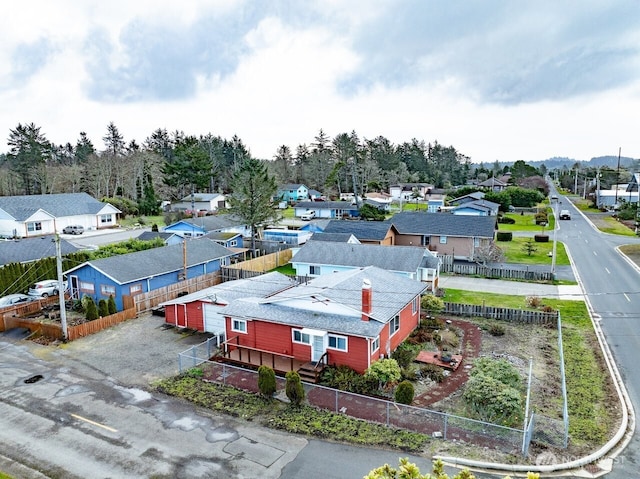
614 446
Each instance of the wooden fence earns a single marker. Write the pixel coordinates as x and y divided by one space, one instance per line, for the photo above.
266 262
472 269
91 327
147 301
503 314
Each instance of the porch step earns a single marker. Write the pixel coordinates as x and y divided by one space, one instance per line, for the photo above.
310 373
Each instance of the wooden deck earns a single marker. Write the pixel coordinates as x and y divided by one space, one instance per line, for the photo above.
431 357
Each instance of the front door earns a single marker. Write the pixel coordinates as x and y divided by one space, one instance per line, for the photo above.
317 348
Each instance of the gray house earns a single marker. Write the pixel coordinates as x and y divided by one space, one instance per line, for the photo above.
325 257
26 250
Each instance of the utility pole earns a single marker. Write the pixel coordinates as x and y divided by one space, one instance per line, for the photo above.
617 177
61 288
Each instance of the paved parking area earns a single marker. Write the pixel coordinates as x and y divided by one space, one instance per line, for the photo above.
133 353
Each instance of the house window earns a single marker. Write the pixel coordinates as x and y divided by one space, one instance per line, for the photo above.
315 270
394 325
338 342
375 344
106 219
414 305
34 226
239 325
443 240
425 240
300 337
87 287
476 241
135 289
107 290
233 243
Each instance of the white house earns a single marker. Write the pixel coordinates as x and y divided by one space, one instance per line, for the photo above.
36 215
201 202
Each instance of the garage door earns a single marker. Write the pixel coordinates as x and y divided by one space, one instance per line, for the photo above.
213 322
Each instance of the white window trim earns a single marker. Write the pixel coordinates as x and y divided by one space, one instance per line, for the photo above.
391 323
414 305
338 337
239 321
302 335
375 345
443 240
476 241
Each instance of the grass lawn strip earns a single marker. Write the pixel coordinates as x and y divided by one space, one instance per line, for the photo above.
514 252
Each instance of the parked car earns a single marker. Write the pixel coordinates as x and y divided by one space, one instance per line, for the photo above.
565 215
308 216
73 230
12 299
46 288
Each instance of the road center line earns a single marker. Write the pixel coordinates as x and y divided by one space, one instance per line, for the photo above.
625 295
607 270
595 253
97 423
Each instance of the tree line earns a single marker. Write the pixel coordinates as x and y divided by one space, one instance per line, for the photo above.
172 165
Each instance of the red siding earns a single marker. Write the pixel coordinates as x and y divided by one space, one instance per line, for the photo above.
408 322
355 357
174 314
273 337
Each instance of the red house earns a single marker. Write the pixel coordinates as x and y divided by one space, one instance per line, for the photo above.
201 310
348 318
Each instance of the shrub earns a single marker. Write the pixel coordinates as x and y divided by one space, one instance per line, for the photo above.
294 388
266 381
496 330
103 309
409 373
385 371
498 369
433 372
506 220
541 238
91 311
541 218
431 304
504 236
548 309
533 301
404 393
447 340
111 305
491 400
404 354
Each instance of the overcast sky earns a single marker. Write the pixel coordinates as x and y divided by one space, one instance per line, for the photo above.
498 80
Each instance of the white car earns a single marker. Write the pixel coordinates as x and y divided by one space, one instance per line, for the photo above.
565 215
308 216
46 288
12 299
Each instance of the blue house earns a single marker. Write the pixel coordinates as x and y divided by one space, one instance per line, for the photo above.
144 271
293 192
227 239
168 238
477 208
196 227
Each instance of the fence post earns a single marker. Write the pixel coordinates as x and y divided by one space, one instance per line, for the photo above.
444 433
388 412
336 400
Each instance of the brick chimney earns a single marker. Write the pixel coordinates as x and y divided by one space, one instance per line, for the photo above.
366 299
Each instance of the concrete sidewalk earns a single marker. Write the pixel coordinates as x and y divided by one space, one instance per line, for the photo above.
571 292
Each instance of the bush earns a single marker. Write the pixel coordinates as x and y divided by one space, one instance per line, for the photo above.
498 369
541 238
433 372
504 236
547 309
404 354
385 371
266 381
346 379
91 311
496 330
404 393
505 220
111 305
409 373
493 401
431 304
103 309
541 218
533 301
294 388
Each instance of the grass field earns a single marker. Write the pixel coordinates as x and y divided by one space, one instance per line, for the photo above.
611 225
526 222
515 252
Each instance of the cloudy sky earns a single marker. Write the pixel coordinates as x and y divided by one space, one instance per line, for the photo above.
498 80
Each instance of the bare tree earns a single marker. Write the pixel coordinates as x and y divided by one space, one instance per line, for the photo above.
488 252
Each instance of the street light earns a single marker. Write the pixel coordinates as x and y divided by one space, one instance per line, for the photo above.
554 202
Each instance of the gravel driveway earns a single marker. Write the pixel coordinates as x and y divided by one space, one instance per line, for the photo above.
133 353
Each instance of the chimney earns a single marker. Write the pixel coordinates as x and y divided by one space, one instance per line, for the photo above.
366 299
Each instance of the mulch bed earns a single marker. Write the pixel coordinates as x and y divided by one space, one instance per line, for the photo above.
471 342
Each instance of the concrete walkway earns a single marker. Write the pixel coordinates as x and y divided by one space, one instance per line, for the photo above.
510 287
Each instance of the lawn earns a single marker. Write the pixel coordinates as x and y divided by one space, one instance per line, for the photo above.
632 251
130 221
526 222
611 225
515 252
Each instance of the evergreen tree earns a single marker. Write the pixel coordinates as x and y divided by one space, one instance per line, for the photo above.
252 198
294 388
111 305
91 311
266 381
103 309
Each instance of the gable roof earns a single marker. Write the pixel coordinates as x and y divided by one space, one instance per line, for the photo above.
444 224
137 266
475 195
260 286
201 197
491 182
151 235
212 222
58 205
333 302
404 259
291 186
479 205
334 237
32 249
363 230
